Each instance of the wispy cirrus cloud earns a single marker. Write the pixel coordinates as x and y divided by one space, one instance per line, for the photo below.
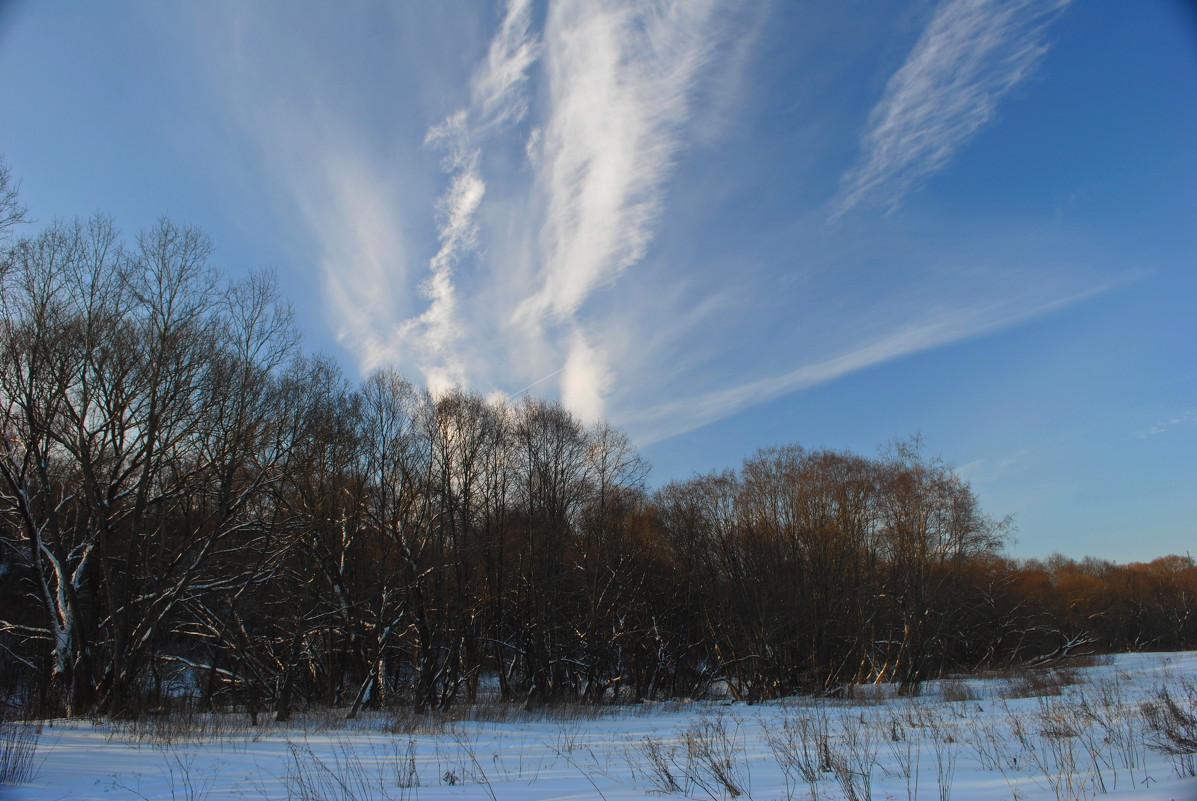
1188 417
303 138
928 331
623 80
510 242
499 87
499 98
363 255
621 90
435 336
969 57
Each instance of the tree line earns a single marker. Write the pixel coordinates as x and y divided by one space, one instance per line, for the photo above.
190 506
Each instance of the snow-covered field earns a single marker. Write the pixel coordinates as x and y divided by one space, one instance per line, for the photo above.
1005 737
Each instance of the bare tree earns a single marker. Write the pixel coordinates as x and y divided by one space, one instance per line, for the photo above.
64 337
133 385
931 528
12 213
549 450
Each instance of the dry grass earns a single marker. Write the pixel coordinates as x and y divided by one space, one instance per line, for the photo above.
19 762
351 775
1039 683
1171 724
870 694
169 729
405 721
956 690
707 758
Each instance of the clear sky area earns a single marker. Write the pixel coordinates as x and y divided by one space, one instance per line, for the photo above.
719 225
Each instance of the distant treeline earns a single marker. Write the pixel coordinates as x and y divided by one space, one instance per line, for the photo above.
189 506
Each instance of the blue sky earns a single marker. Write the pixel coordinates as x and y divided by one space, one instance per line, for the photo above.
719 225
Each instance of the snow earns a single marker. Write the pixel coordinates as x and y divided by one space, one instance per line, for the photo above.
967 748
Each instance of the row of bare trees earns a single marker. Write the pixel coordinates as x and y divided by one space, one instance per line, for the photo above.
190 506
820 568
1095 604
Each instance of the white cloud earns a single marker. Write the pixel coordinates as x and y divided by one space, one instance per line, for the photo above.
585 379
322 168
548 194
499 97
991 470
500 93
936 329
363 255
505 296
1184 418
437 333
623 78
969 57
